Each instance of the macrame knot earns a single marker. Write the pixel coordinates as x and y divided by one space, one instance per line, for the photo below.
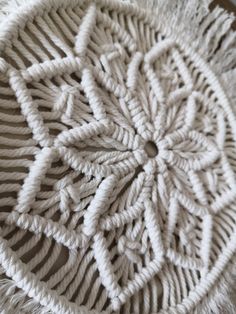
67 192
187 236
73 193
167 73
65 103
131 249
113 51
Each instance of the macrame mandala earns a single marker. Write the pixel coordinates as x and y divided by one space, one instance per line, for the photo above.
117 157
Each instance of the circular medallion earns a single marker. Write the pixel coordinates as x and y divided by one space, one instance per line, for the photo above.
117 156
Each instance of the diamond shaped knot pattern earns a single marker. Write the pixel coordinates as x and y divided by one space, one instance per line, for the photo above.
117 157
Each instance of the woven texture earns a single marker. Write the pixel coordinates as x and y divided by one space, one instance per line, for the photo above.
117 158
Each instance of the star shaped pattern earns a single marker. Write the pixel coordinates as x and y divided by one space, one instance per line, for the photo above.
92 186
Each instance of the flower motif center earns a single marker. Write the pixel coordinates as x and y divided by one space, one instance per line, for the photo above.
151 149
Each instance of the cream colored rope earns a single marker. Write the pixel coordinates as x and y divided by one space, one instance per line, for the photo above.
117 157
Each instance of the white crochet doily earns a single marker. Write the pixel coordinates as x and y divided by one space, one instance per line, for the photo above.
117 157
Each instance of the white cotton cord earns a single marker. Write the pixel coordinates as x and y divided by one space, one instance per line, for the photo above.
117 157
18 272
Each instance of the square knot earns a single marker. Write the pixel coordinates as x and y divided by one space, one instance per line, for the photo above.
132 249
65 101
